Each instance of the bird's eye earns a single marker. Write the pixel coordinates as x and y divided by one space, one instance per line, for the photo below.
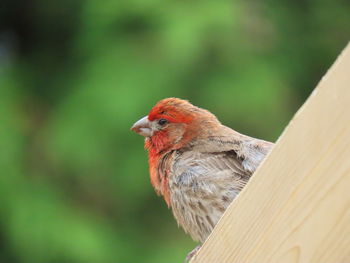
162 122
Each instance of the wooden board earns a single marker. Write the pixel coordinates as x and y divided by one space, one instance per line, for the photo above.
296 208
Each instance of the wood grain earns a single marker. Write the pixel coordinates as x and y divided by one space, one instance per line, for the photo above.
296 208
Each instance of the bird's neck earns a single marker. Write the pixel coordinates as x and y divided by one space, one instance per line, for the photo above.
159 167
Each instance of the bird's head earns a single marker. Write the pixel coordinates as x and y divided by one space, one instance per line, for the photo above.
172 123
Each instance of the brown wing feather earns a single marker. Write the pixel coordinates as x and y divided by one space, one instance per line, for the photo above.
204 180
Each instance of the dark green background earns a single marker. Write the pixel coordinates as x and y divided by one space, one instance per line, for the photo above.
75 75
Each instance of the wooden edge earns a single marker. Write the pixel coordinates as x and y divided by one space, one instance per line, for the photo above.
299 190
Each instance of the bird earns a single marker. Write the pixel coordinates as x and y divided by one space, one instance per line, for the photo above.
197 164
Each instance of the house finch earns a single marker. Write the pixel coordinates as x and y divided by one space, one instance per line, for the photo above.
197 164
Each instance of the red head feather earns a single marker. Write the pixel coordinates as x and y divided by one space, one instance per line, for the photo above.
173 109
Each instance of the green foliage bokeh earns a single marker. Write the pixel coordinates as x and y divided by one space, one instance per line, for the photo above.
75 75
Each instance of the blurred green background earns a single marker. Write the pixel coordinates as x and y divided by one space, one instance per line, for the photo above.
75 75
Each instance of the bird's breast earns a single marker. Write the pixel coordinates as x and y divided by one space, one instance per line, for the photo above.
159 167
198 198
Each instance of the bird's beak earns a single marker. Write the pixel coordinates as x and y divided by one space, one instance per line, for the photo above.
142 127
